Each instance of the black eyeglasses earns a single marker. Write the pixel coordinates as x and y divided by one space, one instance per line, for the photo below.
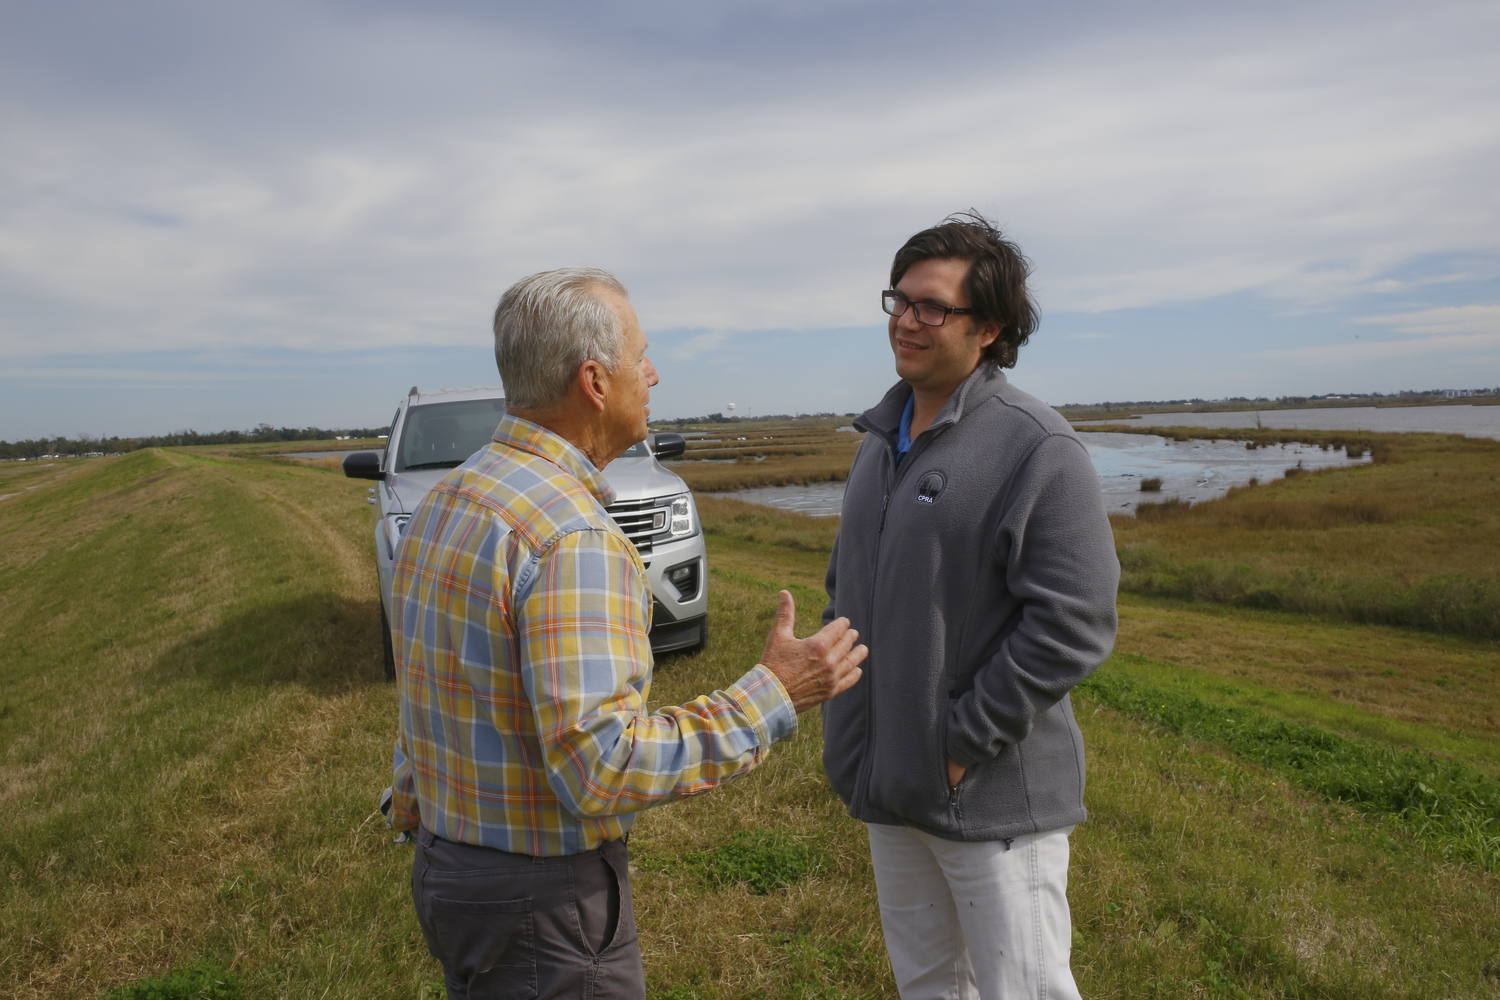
928 313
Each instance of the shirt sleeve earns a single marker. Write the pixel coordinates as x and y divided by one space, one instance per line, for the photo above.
586 668
405 813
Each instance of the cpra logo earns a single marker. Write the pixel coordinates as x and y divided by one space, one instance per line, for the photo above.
930 487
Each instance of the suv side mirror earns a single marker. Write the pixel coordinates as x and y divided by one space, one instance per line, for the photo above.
363 465
668 445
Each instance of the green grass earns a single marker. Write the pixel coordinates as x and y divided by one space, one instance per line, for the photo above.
1452 808
203 980
760 860
193 731
1304 704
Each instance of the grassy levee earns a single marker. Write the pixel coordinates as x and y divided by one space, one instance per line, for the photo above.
191 723
193 730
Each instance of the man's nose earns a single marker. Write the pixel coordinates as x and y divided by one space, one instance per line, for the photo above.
908 320
651 378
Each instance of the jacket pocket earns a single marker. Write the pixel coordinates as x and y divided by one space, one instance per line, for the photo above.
910 775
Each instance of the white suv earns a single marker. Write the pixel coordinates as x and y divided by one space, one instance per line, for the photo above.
433 432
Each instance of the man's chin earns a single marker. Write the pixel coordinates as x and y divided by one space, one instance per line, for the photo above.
909 372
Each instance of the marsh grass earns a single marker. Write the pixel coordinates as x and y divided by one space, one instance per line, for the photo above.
1409 541
793 454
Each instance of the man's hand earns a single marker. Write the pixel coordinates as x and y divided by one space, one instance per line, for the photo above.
955 772
816 668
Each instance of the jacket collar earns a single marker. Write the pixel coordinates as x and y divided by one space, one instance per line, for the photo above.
884 418
534 439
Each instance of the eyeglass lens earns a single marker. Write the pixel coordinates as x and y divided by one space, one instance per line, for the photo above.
928 313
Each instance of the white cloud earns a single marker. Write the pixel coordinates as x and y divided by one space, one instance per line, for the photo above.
1477 318
1361 351
695 346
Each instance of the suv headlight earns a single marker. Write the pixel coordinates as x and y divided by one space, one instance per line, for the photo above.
680 515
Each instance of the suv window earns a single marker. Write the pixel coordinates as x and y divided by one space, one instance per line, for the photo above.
443 435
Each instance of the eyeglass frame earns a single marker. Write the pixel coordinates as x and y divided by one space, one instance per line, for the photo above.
891 294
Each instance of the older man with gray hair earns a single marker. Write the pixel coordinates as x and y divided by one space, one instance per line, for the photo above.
523 666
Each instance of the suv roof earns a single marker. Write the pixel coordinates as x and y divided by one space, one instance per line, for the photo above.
417 398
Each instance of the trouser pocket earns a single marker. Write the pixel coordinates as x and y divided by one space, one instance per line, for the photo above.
490 944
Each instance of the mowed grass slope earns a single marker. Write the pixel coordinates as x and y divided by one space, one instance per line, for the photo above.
192 727
193 730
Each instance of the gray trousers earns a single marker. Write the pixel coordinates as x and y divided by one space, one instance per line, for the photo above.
510 926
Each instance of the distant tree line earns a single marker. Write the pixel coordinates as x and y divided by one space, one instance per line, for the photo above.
83 444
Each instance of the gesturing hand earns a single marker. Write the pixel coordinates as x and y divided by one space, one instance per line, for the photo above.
816 668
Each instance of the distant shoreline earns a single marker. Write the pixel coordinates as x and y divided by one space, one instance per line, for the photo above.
1099 411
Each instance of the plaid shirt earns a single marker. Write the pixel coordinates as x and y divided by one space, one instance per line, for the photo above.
520 620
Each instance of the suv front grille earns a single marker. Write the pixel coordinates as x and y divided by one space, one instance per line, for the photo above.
641 520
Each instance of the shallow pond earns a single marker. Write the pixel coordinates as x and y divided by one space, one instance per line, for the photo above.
1193 470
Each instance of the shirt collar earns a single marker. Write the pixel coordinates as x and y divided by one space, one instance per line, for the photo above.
523 435
903 432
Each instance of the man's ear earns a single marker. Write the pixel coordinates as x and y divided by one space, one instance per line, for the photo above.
988 334
590 384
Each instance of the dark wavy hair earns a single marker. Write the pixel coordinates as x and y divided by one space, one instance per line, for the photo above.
995 285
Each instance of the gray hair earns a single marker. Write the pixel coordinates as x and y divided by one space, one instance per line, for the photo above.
547 325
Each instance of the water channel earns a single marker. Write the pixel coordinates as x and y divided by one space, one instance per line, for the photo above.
1193 471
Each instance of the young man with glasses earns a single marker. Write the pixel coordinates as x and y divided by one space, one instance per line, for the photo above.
976 561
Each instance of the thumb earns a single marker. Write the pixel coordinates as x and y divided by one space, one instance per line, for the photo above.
786 614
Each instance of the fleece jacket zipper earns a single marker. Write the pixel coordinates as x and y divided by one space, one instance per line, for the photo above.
893 476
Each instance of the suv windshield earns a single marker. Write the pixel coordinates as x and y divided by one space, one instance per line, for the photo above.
443 435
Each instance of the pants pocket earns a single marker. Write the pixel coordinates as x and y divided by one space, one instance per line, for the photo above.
489 944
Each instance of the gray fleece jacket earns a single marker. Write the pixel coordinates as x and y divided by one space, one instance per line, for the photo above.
981 573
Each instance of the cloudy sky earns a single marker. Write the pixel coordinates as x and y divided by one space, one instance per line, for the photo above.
215 215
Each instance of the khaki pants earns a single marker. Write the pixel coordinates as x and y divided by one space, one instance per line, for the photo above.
986 920
510 926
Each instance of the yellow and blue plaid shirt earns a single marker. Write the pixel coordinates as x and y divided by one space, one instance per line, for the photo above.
520 626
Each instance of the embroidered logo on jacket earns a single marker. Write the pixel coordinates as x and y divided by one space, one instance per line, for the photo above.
930 487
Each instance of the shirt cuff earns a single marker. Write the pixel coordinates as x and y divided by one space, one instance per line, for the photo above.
767 706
